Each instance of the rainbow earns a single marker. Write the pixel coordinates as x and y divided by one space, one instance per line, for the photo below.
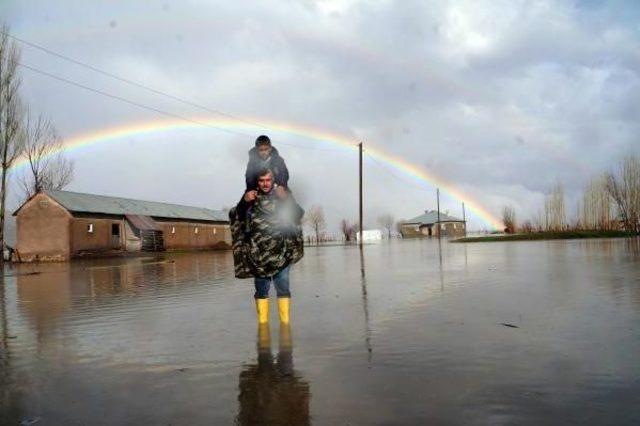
120 133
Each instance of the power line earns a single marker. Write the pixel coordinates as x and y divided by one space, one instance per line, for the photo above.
157 110
131 82
128 101
148 88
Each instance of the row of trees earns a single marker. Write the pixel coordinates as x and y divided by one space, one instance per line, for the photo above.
624 189
23 136
314 218
610 201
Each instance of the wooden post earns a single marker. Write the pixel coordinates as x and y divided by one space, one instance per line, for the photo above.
464 219
360 212
438 201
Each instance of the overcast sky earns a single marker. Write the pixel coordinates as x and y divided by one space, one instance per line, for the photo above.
499 98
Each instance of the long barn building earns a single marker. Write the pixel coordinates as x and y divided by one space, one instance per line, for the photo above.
60 225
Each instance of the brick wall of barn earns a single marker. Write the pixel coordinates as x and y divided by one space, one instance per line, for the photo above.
43 230
183 235
98 238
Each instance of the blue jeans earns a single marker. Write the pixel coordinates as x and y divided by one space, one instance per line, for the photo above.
280 282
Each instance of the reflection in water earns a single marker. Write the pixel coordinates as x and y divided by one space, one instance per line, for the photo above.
54 290
3 320
362 269
273 393
440 264
163 339
10 401
44 298
633 246
365 307
466 260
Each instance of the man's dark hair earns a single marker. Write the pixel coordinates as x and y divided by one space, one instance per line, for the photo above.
263 140
264 171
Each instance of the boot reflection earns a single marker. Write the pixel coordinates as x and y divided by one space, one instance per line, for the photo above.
265 358
285 351
272 392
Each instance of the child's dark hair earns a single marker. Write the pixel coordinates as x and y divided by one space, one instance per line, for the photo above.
263 140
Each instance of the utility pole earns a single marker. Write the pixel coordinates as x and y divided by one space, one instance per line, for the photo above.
464 219
360 172
438 201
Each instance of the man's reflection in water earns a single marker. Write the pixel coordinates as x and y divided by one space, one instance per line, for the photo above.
271 392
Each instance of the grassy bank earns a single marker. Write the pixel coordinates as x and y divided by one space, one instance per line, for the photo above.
561 235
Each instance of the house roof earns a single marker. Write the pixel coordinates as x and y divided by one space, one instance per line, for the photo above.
77 202
143 223
431 216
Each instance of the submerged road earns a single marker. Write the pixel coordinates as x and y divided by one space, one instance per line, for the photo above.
407 333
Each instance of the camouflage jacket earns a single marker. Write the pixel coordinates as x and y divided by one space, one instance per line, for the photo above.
267 235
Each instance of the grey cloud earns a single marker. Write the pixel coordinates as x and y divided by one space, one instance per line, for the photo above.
498 98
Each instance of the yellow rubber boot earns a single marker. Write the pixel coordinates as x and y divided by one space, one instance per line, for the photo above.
262 308
283 309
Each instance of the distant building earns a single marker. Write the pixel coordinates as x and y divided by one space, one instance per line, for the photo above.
59 225
370 236
428 225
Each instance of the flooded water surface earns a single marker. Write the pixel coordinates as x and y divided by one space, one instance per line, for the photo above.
406 332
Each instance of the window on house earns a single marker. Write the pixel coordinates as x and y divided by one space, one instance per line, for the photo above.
90 228
173 229
454 226
215 230
196 230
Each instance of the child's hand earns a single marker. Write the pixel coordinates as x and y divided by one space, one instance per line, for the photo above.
250 196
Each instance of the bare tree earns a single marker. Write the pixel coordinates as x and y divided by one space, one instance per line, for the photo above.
509 219
527 227
624 188
355 228
596 210
538 221
49 168
347 230
576 220
554 210
315 219
11 116
386 221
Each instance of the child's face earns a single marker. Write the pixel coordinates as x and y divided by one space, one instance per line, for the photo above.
264 151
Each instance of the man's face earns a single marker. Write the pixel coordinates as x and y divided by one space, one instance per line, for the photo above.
264 151
265 183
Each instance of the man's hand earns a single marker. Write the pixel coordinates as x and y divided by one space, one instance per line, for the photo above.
281 192
250 196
